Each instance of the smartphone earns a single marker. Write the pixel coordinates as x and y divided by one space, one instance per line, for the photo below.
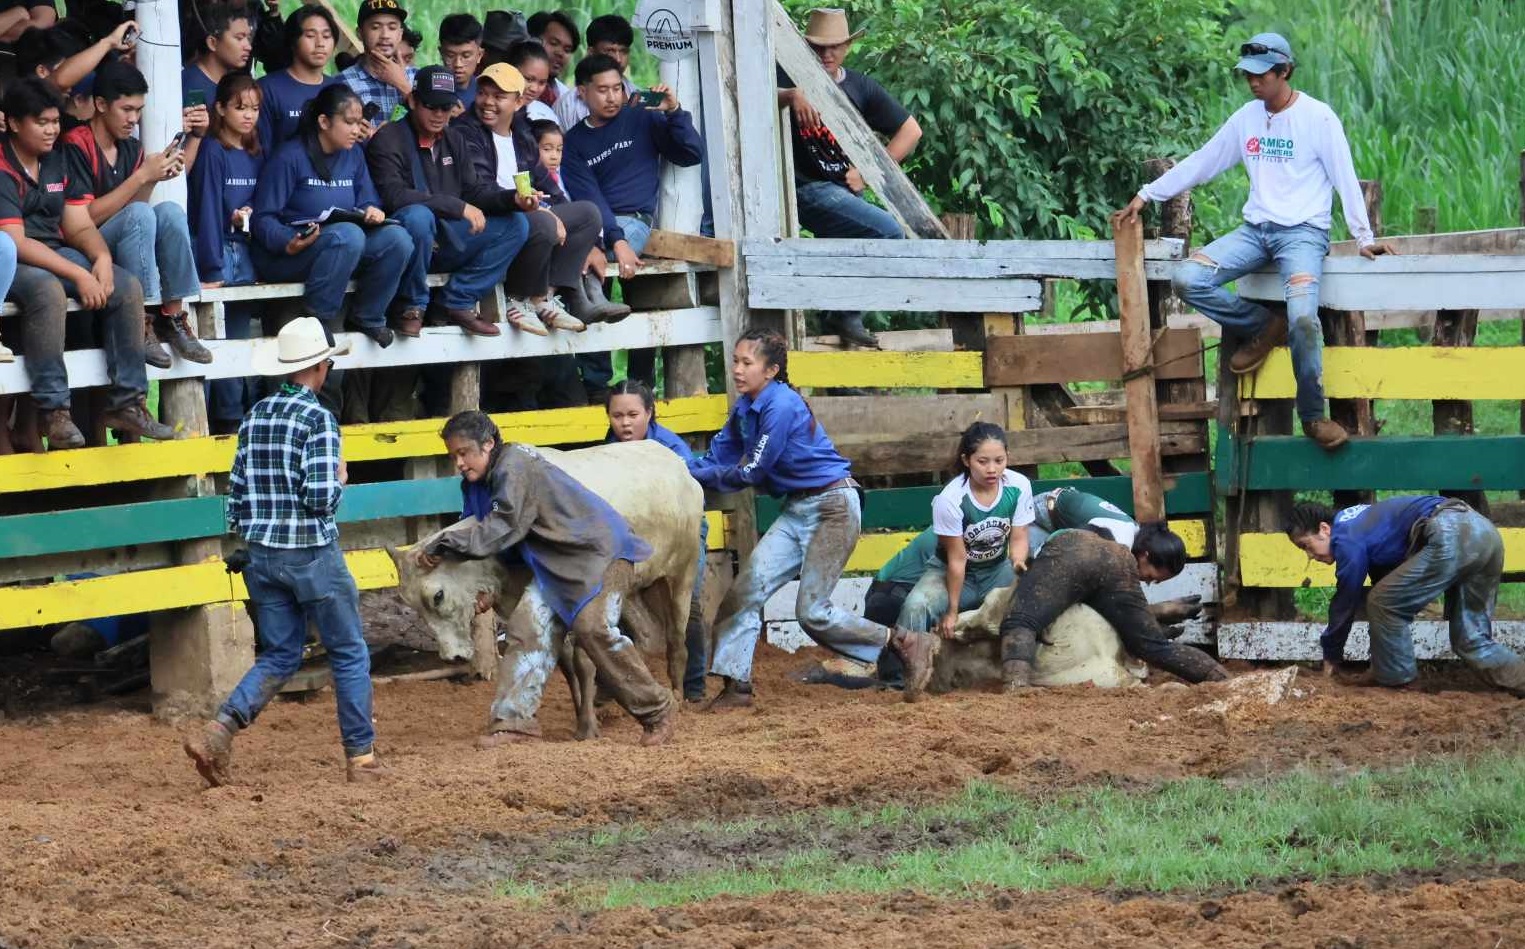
176 143
309 230
131 36
195 97
652 99
371 110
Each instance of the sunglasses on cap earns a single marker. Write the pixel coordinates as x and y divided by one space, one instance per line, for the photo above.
1259 49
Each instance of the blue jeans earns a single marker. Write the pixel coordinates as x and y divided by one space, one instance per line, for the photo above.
928 599
228 400
1299 253
812 539
287 590
476 263
153 243
827 209
343 252
1462 559
7 265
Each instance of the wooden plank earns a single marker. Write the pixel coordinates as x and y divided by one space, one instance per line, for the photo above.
1271 560
1298 642
1090 357
1389 463
1139 363
53 532
1507 240
927 268
861 248
122 463
232 358
888 293
1412 372
890 341
1422 282
754 86
880 172
1081 443
864 417
880 370
690 247
1093 414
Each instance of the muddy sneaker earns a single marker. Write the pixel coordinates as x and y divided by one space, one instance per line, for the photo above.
175 329
1250 355
59 428
211 749
154 352
364 769
1328 433
521 316
917 651
553 314
660 731
736 694
135 420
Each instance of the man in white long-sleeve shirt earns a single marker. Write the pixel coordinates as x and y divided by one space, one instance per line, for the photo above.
1295 152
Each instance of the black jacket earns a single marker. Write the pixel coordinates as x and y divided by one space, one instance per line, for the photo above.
484 154
450 179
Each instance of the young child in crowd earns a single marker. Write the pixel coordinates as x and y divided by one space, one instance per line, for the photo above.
548 139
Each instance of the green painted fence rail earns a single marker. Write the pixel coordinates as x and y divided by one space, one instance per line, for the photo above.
1390 463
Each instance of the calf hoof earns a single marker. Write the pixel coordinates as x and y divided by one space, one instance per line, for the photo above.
503 734
588 732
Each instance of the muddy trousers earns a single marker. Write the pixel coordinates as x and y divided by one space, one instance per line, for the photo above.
523 671
812 539
1461 558
1080 567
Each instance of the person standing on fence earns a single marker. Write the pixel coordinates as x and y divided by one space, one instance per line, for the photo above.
287 480
1294 149
1415 549
772 442
828 189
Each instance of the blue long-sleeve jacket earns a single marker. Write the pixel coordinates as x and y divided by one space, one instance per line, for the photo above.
618 165
1367 540
299 183
772 443
220 182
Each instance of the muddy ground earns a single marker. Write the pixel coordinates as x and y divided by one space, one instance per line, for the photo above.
108 839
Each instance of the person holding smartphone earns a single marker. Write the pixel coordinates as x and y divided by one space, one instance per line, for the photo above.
324 168
221 187
152 242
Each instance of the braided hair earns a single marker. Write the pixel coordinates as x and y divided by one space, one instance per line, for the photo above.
774 350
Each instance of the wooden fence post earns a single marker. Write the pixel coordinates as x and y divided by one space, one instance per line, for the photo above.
1138 372
1348 328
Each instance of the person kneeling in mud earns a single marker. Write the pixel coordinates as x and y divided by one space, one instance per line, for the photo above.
1414 548
1079 566
525 510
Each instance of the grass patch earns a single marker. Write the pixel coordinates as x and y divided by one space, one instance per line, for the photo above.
1188 835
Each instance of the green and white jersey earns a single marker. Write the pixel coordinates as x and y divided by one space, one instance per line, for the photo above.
986 531
1068 508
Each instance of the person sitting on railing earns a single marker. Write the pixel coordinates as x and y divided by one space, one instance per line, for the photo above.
44 210
534 64
153 242
558 35
379 77
55 55
320 170
221 191
1294 149
428 182
460 50
311 33
1415 549
223 41
609 35
772 442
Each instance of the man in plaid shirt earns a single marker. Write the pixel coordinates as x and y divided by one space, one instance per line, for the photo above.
287 480
379 77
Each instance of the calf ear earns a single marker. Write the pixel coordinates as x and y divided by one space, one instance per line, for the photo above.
396 555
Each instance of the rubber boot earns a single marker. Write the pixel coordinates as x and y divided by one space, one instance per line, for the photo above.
587 302
849 326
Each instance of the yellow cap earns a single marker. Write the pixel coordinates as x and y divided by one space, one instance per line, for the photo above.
504 76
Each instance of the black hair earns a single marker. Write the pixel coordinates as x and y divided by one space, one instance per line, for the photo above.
474 425
1105 533
230 89
1164 549
610 28
596 64
1285 70
46 48
29 97
116 79
460 28
213 21
974 436
329 102
413 38
628 386
297 22
540 128
1305 517
524 51
774 350
537 23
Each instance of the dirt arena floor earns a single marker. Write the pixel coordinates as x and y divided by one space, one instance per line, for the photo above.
107 837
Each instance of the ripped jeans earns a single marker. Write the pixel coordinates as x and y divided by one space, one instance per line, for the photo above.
1299 253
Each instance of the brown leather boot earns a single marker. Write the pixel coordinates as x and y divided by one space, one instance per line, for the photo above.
410 323
58 425
660 731
1249 356
211 749
917 651
1329 434
175 329
736 694
154 352
135 420
364 769
471 321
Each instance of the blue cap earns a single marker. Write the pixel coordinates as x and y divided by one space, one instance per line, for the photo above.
1263 51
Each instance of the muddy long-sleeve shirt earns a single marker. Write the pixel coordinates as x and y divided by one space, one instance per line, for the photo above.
530 511
1296 159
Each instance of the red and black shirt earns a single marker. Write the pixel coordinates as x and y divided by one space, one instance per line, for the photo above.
88 163
39 205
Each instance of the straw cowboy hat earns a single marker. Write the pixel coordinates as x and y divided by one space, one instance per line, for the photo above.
301 343
828 27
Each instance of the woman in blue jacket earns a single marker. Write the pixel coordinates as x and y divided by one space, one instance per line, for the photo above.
632 418
772 443
221 198
323 168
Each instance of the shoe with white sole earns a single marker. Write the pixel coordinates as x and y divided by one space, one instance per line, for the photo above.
554 314
521 316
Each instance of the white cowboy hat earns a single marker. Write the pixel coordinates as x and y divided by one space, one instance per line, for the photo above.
828 27
301 343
